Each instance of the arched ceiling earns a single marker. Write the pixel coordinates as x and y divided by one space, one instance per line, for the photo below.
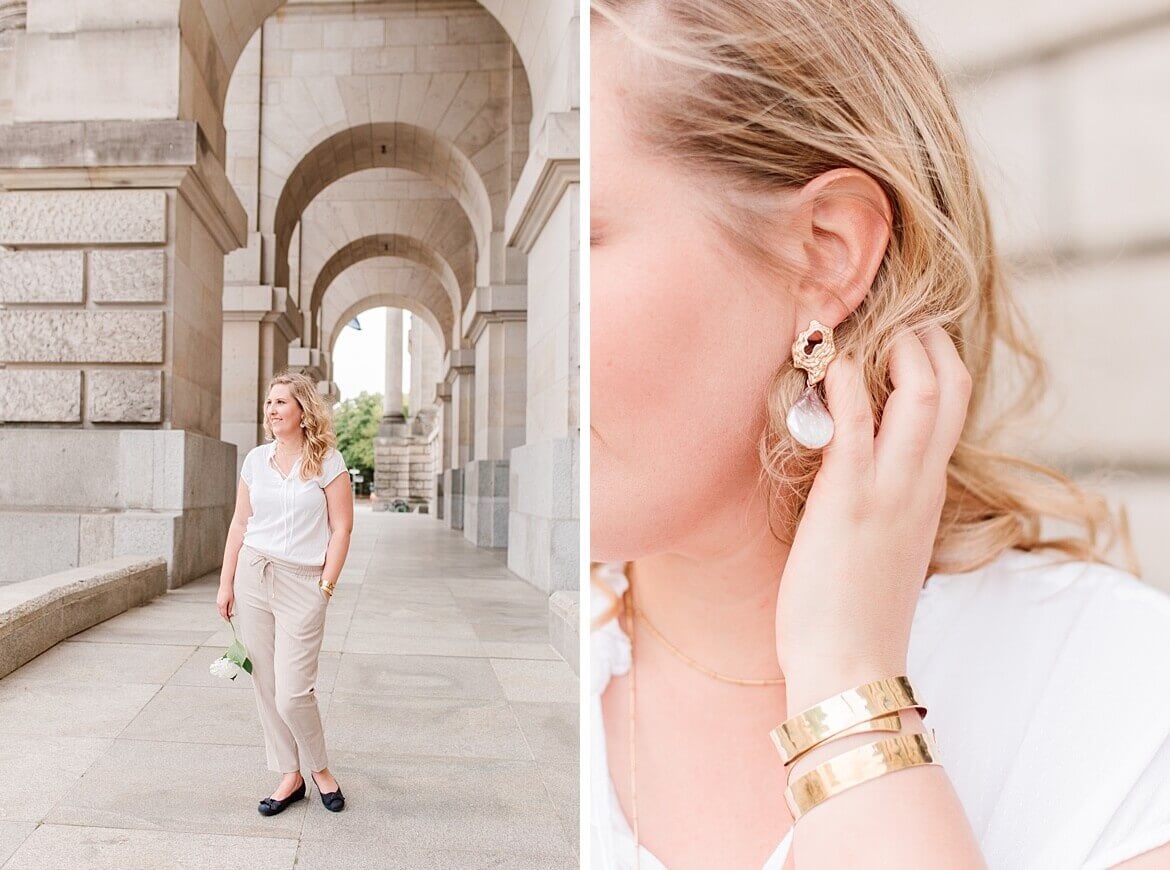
384 245
380 145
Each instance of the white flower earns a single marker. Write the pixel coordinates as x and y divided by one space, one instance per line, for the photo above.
225 667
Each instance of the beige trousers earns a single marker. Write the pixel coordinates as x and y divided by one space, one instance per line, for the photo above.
281 613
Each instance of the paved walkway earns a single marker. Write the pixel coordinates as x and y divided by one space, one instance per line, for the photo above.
451 723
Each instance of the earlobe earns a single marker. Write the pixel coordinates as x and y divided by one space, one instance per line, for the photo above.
850 221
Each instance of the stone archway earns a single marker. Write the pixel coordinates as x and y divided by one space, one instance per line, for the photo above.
388 245
381 145
385 281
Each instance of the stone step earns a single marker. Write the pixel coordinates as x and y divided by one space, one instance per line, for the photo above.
38 613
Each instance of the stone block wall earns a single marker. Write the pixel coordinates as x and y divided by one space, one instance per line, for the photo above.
404 468
1071 126
82 322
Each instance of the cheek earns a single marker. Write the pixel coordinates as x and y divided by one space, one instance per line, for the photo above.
681 356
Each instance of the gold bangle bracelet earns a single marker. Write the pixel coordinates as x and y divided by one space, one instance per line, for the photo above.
893 723
834 715
858 765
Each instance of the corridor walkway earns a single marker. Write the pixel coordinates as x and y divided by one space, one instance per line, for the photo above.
452 727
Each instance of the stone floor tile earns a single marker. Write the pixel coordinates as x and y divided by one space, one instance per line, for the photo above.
535 680
459 628
12 834
199 714
389 725
511 649
178 787
418 804
163 621
47 767
418 676
528 633
323 855
70 709
67 847
550 729
375 641
103 664
563 781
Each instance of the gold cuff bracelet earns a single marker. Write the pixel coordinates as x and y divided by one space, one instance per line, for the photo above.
856 766
841 712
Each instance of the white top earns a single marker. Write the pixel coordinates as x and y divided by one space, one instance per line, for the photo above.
1048 687
289 520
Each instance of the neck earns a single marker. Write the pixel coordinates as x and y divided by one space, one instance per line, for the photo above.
716 600
290 444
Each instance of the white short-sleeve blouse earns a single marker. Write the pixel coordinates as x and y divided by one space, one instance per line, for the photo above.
1048 687
289 518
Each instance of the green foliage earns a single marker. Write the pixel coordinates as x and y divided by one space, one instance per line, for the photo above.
356 423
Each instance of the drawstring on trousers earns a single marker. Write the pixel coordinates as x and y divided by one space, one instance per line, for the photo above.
265 572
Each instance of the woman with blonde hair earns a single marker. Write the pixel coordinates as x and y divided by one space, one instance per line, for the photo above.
285 550
828 629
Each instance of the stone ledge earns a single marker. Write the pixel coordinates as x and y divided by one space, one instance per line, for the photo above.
564 629
554 164
75 144
37 614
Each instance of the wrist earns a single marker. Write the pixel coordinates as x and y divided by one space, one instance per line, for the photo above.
807 686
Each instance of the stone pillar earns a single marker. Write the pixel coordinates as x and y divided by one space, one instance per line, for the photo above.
258 323
460 381
543 223
110 345
425 358
259 320
392 401
424 366
496 326
443 447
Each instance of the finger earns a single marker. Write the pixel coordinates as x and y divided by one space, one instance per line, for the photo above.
908 419
848 399
954 382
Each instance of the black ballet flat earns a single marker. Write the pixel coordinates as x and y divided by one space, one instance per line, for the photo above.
271 806
334 801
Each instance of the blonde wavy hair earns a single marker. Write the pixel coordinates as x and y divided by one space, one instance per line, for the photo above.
315 414
755 96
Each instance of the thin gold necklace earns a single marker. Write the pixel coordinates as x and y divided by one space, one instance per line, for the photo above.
632 610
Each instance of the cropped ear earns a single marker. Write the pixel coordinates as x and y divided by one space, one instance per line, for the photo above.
844 219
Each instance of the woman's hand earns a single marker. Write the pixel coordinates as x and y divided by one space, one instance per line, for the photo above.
225 600
859 559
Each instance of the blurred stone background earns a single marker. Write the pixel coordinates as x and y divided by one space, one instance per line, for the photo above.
1068 107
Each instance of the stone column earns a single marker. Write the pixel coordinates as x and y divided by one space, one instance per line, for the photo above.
459 379
496 326
110 345
258 323
391 444
543 222
425 350
392 400
259 320
442 463
426 356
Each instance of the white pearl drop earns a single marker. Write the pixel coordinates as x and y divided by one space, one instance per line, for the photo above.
809 420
